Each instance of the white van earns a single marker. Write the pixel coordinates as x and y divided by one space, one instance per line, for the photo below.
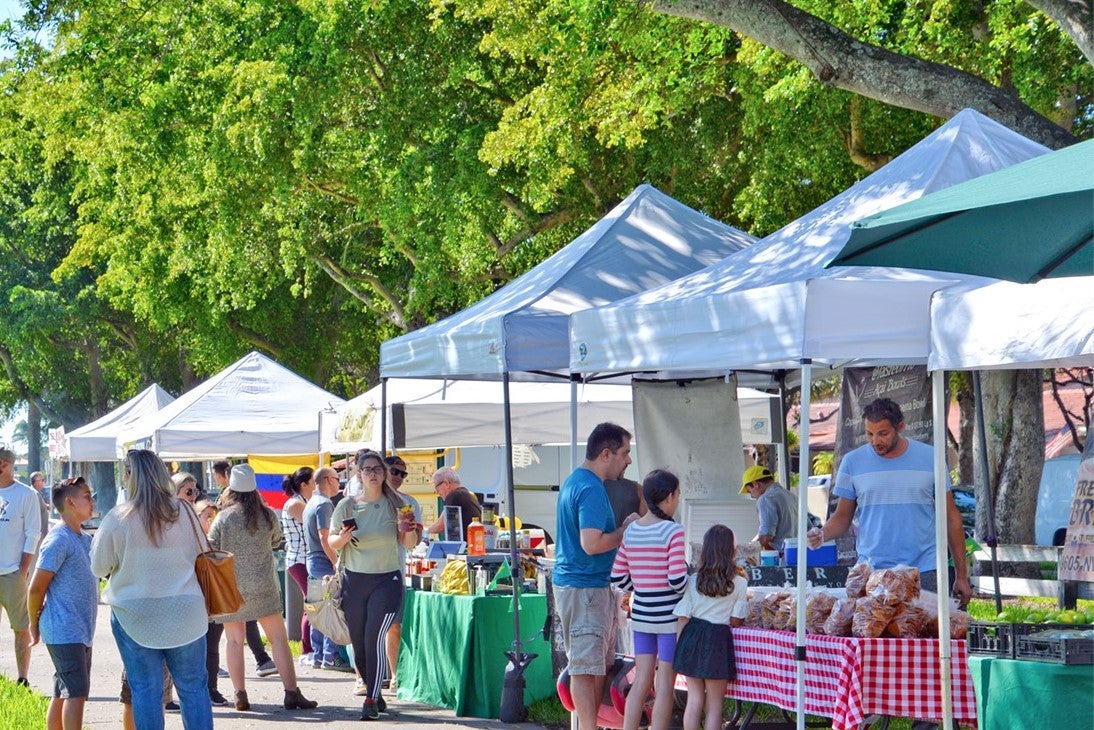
1054 498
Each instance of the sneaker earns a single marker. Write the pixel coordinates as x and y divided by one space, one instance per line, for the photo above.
381 705
360 689
266 668
222 673
370 711
306 660
172 706
24 682
217 698
338 665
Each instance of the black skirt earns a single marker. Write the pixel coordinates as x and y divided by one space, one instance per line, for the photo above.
705 651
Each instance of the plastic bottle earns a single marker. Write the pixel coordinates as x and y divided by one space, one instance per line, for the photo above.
476 538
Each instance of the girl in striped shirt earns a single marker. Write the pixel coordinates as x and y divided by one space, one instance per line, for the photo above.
650 562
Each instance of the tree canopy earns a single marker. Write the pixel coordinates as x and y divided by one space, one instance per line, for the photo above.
311 177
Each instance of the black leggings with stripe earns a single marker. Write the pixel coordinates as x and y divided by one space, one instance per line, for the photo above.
370 602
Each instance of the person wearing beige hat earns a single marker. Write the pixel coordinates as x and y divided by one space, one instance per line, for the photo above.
249 529
776 506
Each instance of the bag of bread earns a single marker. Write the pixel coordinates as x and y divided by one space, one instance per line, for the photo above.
786 617
769 607
839 620
959 624
818 606
856 579
908 621
872 615
894 585
754 620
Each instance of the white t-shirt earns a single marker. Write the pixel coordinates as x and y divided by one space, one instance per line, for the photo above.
20 523
715 610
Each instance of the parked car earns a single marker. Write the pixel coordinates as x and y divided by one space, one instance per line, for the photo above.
1054 498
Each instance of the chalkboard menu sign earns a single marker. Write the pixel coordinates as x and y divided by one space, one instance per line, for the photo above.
829 576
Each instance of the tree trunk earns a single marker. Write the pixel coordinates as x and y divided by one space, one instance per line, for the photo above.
34 437
966 434
838 59
1014 429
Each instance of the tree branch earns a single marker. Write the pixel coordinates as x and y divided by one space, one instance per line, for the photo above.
24 390
347 281
1075 17
837 59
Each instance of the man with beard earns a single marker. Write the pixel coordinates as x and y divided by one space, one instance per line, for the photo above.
585 546
890 481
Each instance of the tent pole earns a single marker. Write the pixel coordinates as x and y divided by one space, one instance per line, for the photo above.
938 406
573 422
783 451
982 443
512 699
383 416
803 526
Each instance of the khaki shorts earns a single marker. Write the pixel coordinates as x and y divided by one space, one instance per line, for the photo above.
13 599
588 618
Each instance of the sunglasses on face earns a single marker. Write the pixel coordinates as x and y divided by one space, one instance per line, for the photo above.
189 492
398 472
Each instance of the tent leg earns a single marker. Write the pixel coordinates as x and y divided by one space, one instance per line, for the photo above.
803 527
938 405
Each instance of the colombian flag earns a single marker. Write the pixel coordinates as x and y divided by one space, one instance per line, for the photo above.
270 472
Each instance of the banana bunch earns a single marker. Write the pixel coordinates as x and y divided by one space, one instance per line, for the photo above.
453 579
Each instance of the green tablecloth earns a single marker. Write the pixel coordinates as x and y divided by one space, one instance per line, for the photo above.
1015 693
452 651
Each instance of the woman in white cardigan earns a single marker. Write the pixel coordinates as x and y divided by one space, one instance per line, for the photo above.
146 548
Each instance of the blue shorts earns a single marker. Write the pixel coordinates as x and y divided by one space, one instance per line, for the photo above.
663 645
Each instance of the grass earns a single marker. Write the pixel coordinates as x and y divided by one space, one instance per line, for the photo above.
23 708
983 609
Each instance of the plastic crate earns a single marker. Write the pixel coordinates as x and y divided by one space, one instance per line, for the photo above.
1043 647
991 639
1001 640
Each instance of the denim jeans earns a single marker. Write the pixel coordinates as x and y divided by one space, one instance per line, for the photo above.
323 648
144 668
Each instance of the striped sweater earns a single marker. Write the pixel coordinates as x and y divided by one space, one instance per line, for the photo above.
651 563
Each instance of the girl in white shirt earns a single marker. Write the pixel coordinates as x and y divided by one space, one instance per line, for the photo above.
714 600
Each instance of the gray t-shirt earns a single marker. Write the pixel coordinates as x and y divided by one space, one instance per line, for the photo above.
317 514
72 598
778 512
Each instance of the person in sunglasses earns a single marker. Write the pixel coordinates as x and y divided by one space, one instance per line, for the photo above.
396 473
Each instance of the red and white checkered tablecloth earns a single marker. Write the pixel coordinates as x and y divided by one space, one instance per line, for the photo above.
849 679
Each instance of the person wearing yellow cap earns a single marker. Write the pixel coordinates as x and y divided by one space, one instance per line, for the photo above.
775 505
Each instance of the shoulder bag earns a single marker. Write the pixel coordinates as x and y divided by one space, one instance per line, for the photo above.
216 574
324 605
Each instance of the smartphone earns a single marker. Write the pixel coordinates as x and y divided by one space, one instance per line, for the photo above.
349 522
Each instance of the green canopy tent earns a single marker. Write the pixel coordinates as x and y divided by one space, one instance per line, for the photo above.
1027 222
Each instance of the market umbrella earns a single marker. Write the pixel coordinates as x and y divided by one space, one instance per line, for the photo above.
1027 222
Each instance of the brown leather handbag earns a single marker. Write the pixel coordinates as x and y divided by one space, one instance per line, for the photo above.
216 574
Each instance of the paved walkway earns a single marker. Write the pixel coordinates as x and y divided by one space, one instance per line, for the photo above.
334 692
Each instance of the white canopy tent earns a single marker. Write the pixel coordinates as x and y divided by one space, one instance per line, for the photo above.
774 306
430 413
253 406
98 440
645 241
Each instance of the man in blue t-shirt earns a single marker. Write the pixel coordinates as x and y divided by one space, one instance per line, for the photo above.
890 481
586 538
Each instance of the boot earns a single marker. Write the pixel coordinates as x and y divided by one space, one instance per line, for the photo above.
242 703
294 700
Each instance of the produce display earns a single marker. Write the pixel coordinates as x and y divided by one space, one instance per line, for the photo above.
879 603
1027 615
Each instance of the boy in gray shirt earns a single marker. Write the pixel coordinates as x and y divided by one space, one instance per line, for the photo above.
63 599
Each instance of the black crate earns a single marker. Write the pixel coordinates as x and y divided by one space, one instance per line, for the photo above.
1056 649
991 639
1001 640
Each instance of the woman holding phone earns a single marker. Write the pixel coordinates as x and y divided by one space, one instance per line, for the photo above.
369 528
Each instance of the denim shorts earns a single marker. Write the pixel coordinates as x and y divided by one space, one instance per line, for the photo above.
72 670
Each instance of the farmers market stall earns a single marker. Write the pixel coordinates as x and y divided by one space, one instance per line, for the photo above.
453 650
847 678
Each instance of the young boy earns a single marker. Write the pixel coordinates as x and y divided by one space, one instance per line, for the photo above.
62 600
